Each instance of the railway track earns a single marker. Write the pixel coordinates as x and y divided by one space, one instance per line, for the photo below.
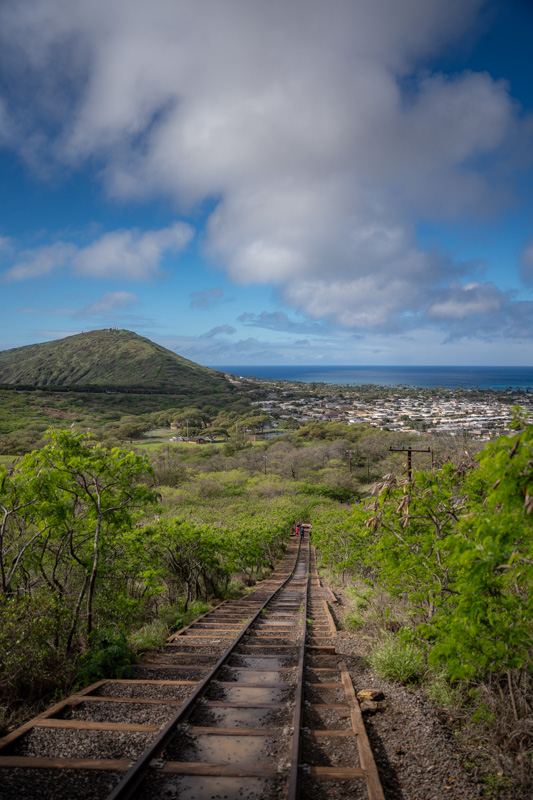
248 701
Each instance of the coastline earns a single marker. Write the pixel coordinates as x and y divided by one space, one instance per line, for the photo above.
496 378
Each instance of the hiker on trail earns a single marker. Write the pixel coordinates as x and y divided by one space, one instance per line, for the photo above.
302 531
297 530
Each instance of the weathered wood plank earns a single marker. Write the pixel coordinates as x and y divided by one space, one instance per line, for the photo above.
135 700
218 770
366 757
33 762
222 704
153 681
50 712
90 725
343 773
241 684
198 731
325 685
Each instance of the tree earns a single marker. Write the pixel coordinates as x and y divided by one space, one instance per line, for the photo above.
256 421
83 495
489 628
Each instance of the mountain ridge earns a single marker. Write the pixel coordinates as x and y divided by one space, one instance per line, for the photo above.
109 357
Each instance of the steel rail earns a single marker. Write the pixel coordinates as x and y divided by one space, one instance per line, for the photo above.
292 792
135 775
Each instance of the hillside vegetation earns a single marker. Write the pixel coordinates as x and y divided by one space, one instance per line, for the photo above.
438 569
110 357
109 377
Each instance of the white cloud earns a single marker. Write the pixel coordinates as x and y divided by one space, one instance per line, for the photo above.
314 123
131 254
41 261
472 298
279 321
224 330
109 303
106 305
128 254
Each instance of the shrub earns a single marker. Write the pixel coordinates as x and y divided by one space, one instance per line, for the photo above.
353 621
150 637
396 661
441 691
31 662
358 599
108 656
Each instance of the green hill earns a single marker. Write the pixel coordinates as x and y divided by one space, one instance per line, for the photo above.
109 358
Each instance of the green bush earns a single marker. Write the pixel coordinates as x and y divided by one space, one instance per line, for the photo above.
396 661
441 691
175 617
108 656
359 600
32 661
150 637
353 621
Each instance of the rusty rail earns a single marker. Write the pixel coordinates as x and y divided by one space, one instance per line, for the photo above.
135 775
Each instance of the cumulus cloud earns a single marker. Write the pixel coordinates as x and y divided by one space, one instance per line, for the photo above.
131 253
279 321
106 306
41 261
463 301
118 254
317 126
220 330
206 298
109 303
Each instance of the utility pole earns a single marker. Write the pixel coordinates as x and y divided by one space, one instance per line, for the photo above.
187 421
350 454
410 450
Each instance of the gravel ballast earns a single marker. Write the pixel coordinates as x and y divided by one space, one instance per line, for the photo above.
416 754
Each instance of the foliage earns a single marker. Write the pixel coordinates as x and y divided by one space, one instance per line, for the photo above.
458 545
396 661
110 358
32 663
149 637
108 656
81 540
442 691
154 634
488 627
67 512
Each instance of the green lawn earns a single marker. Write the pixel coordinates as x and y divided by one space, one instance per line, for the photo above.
151 446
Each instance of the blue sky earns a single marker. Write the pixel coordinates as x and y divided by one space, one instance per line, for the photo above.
291 182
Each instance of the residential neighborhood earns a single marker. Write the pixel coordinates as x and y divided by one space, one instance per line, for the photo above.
488 415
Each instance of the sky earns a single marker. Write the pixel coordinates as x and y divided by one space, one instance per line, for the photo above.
256 182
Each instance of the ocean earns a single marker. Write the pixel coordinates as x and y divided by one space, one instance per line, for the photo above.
497 378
